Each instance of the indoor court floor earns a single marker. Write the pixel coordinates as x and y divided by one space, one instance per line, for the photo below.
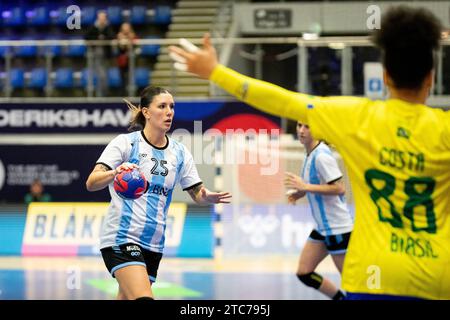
86 278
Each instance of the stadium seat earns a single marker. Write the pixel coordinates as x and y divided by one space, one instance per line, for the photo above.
4 49
38 78
150 49
114 15
2 79
138 15
28 50
63 78
88 16
55 50
14 17
84 78
77 50
114 78
141 77
60 17
39 17
17 78
163 15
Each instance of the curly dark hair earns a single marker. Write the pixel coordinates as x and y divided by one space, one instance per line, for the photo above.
408 39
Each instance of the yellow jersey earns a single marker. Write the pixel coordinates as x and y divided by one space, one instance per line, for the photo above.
397 155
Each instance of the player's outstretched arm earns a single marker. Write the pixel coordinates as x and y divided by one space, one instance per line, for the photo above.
201 195
335 188
262 95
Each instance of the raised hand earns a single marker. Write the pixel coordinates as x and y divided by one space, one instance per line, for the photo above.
190 58
293 181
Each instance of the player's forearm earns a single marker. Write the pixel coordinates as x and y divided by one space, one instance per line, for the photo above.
326 189
199 200
99 180
196 194
262 95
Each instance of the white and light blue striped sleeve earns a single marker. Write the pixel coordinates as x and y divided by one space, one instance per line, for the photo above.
327 168
115 152
189 177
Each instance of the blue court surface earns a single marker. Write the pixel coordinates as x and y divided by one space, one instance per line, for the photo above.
270 278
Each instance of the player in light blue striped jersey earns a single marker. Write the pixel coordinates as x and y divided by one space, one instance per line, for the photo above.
321 181
132 236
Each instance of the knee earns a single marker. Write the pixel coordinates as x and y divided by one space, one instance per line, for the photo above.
311 279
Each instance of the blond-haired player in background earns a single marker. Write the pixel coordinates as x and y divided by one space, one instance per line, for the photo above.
321 181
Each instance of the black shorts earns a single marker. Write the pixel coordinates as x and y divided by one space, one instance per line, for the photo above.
127 254
336 244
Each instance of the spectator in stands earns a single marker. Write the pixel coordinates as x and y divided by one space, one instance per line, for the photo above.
101 30
36 193
445 34
125 39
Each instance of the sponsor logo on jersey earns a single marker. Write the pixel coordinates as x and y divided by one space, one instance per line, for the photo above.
403 133
158 189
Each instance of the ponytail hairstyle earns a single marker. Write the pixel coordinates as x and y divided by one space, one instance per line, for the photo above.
408 39
137 119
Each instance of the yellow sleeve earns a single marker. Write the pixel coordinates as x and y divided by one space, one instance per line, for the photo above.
331 117
262 95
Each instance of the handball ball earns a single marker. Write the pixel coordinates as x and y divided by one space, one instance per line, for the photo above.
130 184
